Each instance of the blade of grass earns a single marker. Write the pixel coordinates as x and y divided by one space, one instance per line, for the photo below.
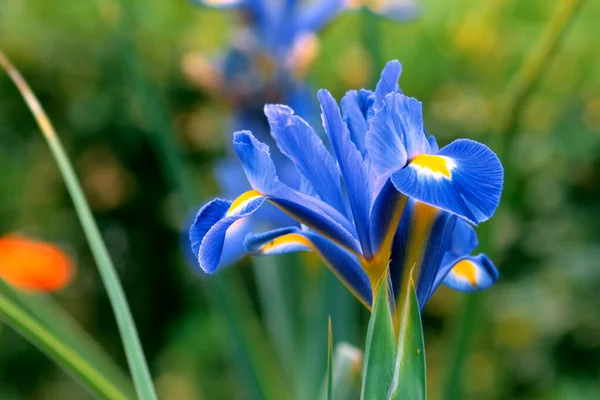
223 290
133 349
89 375
329 361
519 92
44 310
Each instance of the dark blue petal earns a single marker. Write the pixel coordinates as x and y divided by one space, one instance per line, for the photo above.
471 274
386 213
420 243
342 263
311 212
354 171
297 140
388 82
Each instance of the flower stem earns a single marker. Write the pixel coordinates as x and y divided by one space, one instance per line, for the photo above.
133 349
519 92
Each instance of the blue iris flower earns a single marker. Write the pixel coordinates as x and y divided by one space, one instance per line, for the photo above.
385 198
264 64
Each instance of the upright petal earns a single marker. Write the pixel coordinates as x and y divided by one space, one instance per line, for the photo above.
307 210
342 263
355 119
464 178
388 82
352 167
297 140
385 144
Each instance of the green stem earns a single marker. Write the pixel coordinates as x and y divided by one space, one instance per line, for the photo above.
519 92
88 374
133 349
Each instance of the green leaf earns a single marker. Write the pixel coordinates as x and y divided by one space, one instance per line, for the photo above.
329 361
90 375
378 366
409 374
345 378
53 318
131 342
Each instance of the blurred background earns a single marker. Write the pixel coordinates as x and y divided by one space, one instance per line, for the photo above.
113 78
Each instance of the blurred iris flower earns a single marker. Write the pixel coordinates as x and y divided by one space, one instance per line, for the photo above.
385 198
266 63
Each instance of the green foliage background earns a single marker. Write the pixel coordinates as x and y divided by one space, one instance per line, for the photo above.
537 335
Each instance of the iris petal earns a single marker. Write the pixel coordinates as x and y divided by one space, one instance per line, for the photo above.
208 232
311 212
352 167
388 82
297 140
423 237
342 263
471 274
355 119
386 213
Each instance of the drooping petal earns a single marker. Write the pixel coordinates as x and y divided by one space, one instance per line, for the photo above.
388 82
209 230
352 167
305 209
464 178
342 263
464 239
317 14
33 265
471 274
297 140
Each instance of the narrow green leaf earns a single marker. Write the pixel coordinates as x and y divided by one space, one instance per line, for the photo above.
409 374
131 342
88 374
52 317
329 361
380 350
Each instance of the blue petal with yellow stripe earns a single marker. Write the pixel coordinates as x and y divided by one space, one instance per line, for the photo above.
342 263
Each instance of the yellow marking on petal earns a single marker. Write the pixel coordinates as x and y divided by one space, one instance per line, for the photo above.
376 267
435 164
297 238
466 270
424 216
244 197
286 239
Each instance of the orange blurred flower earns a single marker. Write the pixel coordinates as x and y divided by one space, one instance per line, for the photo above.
33 265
